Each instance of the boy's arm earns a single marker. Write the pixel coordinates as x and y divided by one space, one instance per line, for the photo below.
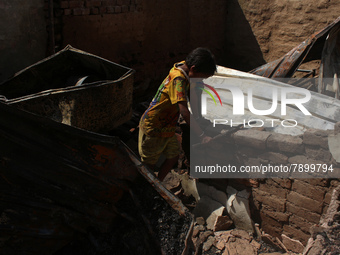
184 111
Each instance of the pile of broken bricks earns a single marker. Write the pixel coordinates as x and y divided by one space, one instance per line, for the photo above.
223 223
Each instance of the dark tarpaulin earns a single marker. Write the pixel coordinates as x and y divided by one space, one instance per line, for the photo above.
55 179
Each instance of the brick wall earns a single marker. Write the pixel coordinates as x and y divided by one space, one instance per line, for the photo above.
288 208
98 7
148 36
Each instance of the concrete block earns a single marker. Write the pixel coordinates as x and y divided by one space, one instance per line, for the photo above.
274 157
318 154
253 138
285 143
316 138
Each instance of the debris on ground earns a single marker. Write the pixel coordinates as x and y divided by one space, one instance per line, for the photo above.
146 224
326 237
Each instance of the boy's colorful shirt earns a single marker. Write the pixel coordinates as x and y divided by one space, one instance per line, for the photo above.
161 117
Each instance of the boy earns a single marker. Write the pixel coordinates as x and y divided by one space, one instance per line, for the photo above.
158 123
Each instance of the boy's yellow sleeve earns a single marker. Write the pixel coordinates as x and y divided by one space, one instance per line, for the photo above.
178 90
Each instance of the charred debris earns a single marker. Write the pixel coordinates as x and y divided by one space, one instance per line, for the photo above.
72 183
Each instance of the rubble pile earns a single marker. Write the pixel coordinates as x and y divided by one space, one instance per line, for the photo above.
219 229
326 237
222 225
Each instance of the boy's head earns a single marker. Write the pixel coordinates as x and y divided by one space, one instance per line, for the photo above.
201 63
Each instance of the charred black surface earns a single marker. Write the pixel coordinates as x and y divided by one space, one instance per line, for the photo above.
147 225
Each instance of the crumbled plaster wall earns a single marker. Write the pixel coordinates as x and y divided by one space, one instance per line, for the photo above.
279 26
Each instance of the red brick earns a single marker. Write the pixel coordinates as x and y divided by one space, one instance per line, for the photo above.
64 5
76 4
301 223
94 11
305 202
265 198
270 226
278 216
110 9
109 3
299 211
295 233
102 10
125 8
285 183
118 9
93 3
67 12
319 182
273 188
327 198
308 190
81 11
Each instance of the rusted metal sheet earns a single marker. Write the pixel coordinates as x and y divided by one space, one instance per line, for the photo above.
57 180
308 50
76 88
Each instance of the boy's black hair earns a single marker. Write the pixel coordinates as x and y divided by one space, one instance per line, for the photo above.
202 59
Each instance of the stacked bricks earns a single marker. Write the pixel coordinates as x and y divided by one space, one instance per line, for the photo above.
98 7
288 208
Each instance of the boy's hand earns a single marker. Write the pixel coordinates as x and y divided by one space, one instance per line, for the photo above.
206 139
